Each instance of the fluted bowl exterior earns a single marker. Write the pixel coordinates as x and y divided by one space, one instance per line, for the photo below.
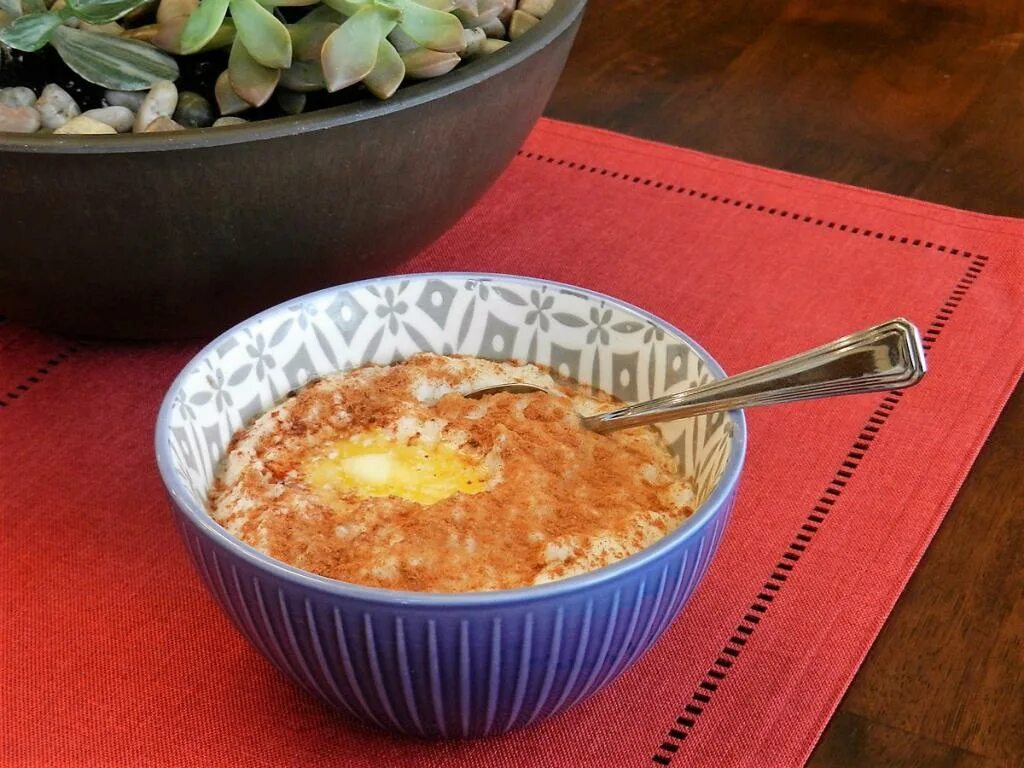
442 665
464 669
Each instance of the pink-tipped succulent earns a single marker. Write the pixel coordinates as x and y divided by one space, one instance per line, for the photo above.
285 48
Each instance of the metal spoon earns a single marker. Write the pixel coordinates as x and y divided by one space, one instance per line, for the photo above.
881 358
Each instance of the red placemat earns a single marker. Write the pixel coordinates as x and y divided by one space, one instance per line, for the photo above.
112 654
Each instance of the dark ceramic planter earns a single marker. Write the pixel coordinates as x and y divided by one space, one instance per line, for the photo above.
180 235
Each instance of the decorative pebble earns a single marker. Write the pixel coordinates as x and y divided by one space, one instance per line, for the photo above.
18 119
83 125
538 8
291 102
492 44
520 24
118 118
18 96
478 13
162 124
159 102
472 39
193 110
230 120
130 99
56 106
494 28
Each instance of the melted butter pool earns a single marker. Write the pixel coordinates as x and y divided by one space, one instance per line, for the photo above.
374 464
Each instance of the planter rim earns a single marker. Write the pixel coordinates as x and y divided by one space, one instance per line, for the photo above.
555 23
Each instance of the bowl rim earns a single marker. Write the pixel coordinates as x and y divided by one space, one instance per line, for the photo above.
554 24
180 495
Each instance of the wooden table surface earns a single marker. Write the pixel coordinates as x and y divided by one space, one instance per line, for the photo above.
922 98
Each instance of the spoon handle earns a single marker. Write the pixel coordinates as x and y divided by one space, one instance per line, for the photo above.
884 357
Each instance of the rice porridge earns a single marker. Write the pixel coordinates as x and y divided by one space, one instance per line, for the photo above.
387 476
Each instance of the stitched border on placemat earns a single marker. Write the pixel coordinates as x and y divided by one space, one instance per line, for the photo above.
731 650
745 205
23 386
733 647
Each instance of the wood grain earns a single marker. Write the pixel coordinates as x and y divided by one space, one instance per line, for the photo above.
923 98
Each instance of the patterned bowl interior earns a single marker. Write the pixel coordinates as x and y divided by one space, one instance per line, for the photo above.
589 337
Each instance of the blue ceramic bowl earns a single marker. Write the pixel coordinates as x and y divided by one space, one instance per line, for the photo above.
439 664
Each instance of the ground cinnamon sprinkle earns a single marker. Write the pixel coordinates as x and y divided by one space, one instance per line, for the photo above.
559 500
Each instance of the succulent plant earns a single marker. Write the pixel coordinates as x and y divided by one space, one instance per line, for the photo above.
86 37
281 49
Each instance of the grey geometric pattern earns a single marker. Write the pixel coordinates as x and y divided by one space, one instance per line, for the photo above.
581 336
565 361
347 314
436 300
624 367
499 338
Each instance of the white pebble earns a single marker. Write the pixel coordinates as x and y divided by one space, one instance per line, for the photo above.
491 45
56 107
230 120
18 96
130 99
18 119
472 39
162 124
118 118
159 102
83 125
493 28
520 24
538 8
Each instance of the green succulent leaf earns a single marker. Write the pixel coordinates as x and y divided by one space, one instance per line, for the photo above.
347 7
225 36
322 14
350 53
303 76
423 63
287 3
308 39
437 30
387 74
228 102
31 32
265 36
438 5
251 80
102 11
113 62
202 25
175 9
12 8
